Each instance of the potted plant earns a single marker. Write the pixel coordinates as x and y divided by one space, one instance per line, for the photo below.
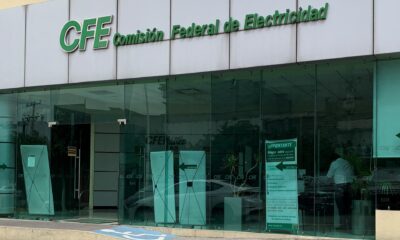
233 205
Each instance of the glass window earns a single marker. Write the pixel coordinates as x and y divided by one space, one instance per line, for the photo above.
188 126
277 149
288 100
344 149
143 191
387 143
85 149
34 188
8 112
235 155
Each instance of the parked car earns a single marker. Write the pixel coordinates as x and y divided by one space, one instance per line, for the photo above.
140 206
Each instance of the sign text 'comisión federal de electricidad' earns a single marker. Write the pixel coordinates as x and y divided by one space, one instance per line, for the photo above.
75 35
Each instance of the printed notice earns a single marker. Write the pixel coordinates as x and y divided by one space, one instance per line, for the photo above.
281 185
31 161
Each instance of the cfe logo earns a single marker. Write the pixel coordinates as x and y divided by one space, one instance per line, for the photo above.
91 28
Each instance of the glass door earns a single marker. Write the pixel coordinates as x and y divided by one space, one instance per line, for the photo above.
142 137
70 165
85 150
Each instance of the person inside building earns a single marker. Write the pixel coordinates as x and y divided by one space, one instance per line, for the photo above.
342 174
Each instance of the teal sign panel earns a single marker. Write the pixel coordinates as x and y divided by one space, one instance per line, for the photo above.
282 211
35 163
7 176
7 153
162 168
192 188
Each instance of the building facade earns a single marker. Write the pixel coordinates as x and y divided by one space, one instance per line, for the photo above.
260 116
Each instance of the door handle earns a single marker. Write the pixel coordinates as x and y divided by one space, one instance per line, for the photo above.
79 174
75 177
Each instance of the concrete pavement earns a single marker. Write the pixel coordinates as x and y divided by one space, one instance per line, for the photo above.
12 229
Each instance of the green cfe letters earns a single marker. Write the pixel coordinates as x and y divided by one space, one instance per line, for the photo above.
91 28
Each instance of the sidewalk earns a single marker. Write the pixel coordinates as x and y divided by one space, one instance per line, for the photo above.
11 229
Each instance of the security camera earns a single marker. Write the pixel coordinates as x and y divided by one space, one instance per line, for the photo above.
121 122
51 124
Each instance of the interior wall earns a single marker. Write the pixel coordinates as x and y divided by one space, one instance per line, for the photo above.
106 165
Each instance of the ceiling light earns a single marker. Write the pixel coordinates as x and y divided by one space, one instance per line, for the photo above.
188 91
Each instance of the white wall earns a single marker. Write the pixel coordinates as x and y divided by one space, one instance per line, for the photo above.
347 31
155 56
353 28
201 54
387 36
46 63
261 47
93 65
106 165
12 47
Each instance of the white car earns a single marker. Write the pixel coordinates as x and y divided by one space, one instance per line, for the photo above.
140 206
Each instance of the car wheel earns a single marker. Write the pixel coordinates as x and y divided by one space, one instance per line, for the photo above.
217 217
144 215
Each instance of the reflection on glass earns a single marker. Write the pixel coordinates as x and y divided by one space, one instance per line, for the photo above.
188 126
162 170
226 117
344 135
7 153
39 194
288 104
386 129
85 150
192 188
34 113
144 133
235 155
103 103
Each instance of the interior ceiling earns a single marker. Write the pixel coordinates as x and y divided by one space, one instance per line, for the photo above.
195 95
15 3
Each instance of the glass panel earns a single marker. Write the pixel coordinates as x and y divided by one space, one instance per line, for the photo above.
38 185
234 173
8 112
188 124
344 154
103 103
387 177
70 167
86 150
387 109
144 161
288 97
247 150
34 114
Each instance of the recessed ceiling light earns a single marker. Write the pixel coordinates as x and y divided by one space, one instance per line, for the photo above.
188 91
101 92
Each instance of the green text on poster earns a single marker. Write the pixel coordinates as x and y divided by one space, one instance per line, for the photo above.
281 185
